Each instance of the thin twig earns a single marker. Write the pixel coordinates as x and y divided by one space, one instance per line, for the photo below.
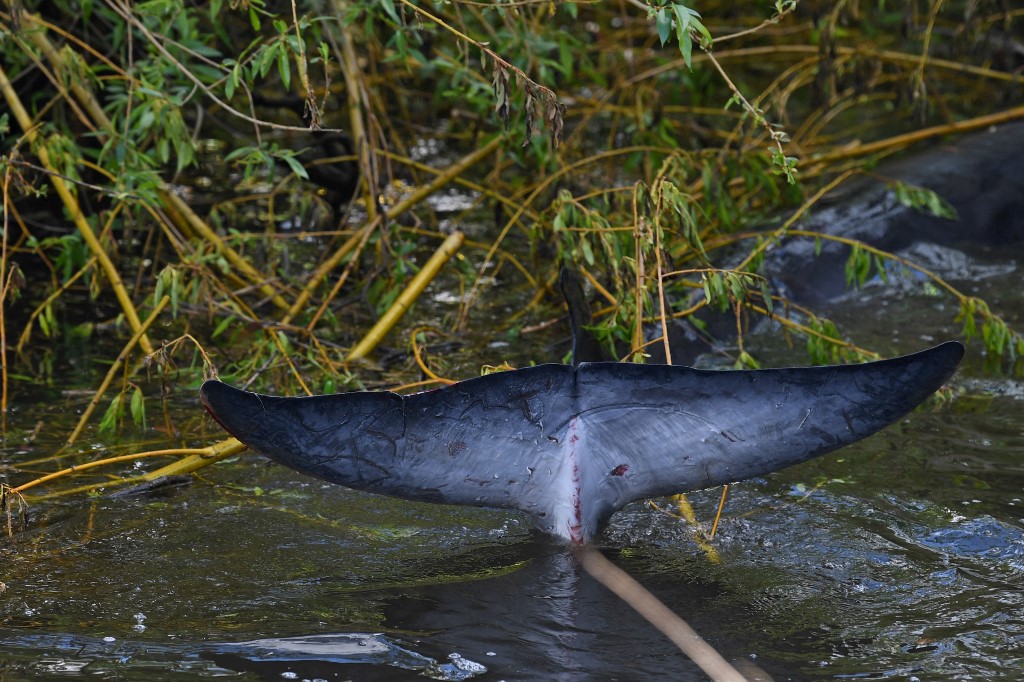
3 300
718 514
26 333
419 358
129 16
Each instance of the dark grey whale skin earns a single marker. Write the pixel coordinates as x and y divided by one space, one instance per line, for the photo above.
570 446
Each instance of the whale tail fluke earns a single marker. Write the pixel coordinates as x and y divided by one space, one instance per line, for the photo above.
572 445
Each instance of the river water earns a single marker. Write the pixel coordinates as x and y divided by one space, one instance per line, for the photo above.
901 557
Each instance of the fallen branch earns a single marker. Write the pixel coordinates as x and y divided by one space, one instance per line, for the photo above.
193 460
408 295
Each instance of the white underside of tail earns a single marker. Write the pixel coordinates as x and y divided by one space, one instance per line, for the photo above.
567 511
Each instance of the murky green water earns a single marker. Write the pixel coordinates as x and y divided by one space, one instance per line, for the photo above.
901 557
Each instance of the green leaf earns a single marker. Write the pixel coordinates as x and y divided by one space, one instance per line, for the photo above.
706 40
588 253
175 291
296 166
688 20
185 153
881 269
663 21
685 44
234 80
284 68
138 407
736 286
683 16
745 359
850 270
44 325
970 329
923 200
863 269
389 9
766 296
222 325
113 414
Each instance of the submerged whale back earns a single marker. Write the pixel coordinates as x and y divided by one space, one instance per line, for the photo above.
571 446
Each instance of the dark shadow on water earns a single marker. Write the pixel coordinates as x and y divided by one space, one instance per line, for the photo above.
549 616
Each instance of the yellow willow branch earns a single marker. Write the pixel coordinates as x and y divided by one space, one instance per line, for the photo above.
194 459
114 368
303 66
71 204
783 230
804 329
184 215
419 358
356 106
198 459
37 36
4 287
888 255
638 256
898 141
408 295
745 53
287 358
684 512
97 463
175 207
718 514
449 174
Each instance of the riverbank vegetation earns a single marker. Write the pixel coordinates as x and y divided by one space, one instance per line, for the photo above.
264 189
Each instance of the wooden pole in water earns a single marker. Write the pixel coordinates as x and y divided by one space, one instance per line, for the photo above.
658 615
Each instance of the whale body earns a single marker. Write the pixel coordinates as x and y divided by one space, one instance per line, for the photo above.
571 445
